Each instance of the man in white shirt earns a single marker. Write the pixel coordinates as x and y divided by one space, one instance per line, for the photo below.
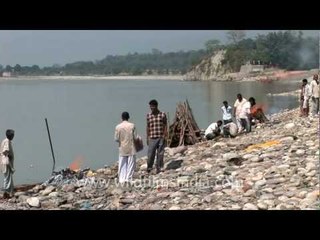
213 130
237 110
125 133
314 91
244 116
226 113
304 98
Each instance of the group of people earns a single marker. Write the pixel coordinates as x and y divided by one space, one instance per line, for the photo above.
309 93
126 135
246 113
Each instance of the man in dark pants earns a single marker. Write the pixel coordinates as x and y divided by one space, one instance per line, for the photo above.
156 136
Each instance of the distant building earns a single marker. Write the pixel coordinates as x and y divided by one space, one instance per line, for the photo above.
6 74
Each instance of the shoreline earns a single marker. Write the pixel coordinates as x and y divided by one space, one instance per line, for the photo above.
151 77
280 172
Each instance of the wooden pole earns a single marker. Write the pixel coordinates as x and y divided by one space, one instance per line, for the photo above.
54 160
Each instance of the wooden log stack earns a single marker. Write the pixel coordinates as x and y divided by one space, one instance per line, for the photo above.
184 129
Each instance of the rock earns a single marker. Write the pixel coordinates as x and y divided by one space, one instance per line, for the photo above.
311 166
163 194
68 188
262 206
174 164
302 194
143 167
250 193
266 197
183 180
235 207
283 198
180 149
66 206
283 167
54 194
108 171
174 208
257 178
289 125
300 152
101 170
228 156
208 166
249 206
255 159
33 202
286 139
156 207
48 190
126 201
219 145
117 191
260 183
17 194
311 174
207 199
177 194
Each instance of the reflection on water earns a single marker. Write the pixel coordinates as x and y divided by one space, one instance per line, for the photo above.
82 115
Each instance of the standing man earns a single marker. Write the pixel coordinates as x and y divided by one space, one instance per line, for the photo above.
304 98
7 159
315 94
156 136
125 133
226 113
237 110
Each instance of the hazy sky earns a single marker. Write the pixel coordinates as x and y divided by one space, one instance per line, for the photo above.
47 47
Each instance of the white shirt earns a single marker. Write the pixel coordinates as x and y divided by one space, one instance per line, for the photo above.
226 113
212 128
314 89
245 110
238 106
125 133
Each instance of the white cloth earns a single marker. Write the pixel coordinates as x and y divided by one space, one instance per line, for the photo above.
245 110
6 146
125 132
226 112
233 129
314 89
238 106
126 168
212 128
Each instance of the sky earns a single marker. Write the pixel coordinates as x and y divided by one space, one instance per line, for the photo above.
48 47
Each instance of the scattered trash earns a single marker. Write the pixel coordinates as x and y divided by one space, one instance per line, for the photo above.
66 176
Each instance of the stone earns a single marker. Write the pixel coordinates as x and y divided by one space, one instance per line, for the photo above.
17 194
33 202
177 194
180 149
207 199
228 156
266 197
283 167
117 191
219 145
163 194
156 207
312 173
174 208
289 125
235 207
126 201
302 194
300 152
286 140
53 194
249 206
68 188
66 206
143 167
260 183
173 164
250 193
262 206
48 190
